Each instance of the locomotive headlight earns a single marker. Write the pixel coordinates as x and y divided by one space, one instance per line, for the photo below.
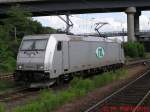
40 67
20 66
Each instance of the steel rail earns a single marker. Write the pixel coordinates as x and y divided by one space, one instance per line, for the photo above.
6 76
144 98
16 94
6 96
116 92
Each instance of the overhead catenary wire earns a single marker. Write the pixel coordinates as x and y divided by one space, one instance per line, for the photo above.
70 23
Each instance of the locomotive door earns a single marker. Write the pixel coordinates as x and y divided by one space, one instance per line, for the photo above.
65 58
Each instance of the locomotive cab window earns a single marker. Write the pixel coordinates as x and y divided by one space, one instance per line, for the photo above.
33 44
59 46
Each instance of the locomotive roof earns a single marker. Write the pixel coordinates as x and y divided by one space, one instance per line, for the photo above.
65 37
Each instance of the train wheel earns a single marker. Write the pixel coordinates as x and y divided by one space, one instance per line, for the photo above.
59 81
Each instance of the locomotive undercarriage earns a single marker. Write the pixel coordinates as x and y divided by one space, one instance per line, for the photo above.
29 78
36 79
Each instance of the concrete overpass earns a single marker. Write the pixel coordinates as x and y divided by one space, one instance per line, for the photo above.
38 7
15 1
132 8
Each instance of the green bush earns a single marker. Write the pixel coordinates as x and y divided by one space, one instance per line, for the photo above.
141 51
7 62
134 49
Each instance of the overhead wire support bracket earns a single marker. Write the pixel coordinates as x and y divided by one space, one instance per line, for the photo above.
98 26
68 23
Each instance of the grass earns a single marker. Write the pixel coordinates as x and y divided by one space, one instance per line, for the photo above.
147 55
50 100
5 85
2 108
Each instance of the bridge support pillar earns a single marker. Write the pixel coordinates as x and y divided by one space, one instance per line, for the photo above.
130 11
137 21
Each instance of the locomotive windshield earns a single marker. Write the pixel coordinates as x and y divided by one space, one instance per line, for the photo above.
34 44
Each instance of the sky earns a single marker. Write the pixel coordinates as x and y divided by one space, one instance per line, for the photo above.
85 23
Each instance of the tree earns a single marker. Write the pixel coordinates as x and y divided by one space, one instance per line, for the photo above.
17 24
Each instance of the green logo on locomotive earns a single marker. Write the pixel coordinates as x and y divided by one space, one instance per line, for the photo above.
100 52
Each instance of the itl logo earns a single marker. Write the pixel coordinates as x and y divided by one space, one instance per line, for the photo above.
100 52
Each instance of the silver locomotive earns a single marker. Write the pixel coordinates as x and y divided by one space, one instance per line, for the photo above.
43 59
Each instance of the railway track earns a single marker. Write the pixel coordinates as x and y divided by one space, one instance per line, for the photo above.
16 94
21 92
138 62
6 76
129 98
